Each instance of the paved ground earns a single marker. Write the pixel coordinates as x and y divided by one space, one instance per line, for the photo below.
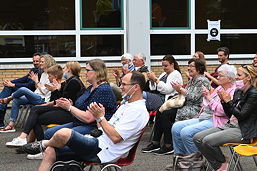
17 162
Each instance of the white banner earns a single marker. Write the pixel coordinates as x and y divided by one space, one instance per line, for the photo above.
213 30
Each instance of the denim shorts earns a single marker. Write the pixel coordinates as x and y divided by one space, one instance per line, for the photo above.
80 148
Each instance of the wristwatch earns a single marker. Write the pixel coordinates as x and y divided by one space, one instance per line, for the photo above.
98 120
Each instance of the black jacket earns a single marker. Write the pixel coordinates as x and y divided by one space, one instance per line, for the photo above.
244 108
72 89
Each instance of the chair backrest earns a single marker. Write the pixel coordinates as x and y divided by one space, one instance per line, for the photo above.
131 155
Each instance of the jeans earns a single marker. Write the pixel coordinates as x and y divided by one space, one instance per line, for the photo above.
183 132
78 127
80 148
6 92
24 96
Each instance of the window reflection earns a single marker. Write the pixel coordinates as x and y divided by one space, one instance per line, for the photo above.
237 43
109 45
101 13
232 13
24 46
170 13
170 44
37 15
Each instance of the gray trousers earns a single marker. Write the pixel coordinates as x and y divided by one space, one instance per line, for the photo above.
209 141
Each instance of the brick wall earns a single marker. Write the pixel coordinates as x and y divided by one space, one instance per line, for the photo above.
11 74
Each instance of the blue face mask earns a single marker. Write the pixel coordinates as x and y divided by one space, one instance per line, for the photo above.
65 75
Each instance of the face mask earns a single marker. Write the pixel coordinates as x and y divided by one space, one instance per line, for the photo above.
126 97
65 75
240 84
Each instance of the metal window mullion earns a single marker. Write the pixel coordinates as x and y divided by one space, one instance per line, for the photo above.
192 19
77 29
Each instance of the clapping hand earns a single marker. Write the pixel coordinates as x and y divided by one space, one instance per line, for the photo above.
64 103
224 96
8 83
206 93
33 76
176 85
97 110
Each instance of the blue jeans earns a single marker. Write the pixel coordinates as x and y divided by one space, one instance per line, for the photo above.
6 92
79 148
78 127
24 96
183 132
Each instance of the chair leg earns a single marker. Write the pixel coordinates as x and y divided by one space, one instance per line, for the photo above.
234 158
255 160
237 161
109 166
152 132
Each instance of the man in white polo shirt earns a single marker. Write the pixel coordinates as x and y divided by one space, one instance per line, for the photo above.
119 134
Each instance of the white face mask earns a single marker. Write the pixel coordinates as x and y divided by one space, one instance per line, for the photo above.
126 97
240 84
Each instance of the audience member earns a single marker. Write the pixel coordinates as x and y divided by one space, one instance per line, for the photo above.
71 89
162 85
139 63
223 56
200 55
119 134
211 113
127 66
242 126
12 86
190 109
24 96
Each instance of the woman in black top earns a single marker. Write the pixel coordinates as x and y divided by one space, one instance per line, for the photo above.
242 126
71 89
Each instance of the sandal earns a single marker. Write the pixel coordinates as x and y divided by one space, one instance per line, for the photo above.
7 129
5 100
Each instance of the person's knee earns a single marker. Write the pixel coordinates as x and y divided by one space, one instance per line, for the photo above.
49 154
176 128
197 138
63 134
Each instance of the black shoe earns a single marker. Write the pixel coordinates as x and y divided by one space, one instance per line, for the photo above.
150 148
20 150
164 151
33 148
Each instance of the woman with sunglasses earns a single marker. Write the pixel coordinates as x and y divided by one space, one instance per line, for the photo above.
242 125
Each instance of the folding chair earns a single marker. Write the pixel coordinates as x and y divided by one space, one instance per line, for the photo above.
234 157
245 150
121 162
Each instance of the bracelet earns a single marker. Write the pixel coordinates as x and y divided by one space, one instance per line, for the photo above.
69 108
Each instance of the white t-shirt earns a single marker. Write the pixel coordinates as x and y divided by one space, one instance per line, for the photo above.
43 91
129 121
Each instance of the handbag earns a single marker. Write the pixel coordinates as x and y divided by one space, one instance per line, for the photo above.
191 162
176 101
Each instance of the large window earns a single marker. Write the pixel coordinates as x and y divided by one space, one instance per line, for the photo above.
37 15
232 13
101 14
170 44
24 46
237 43
101 45
167 13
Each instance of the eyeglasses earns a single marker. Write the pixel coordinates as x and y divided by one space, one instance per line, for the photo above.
124 84
245 67
191 66
89 70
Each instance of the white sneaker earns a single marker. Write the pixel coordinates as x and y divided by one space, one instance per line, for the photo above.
17 142
38 156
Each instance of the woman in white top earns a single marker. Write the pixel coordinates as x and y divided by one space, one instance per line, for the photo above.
162 84
25 96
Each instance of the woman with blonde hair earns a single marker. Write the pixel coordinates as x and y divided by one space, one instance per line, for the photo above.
242 125
25 96
50 113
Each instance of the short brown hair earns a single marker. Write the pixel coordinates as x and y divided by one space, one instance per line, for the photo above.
199 65
74 66
99 67
55 70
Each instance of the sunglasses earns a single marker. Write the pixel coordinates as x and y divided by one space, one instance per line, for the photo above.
89 70
245 67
